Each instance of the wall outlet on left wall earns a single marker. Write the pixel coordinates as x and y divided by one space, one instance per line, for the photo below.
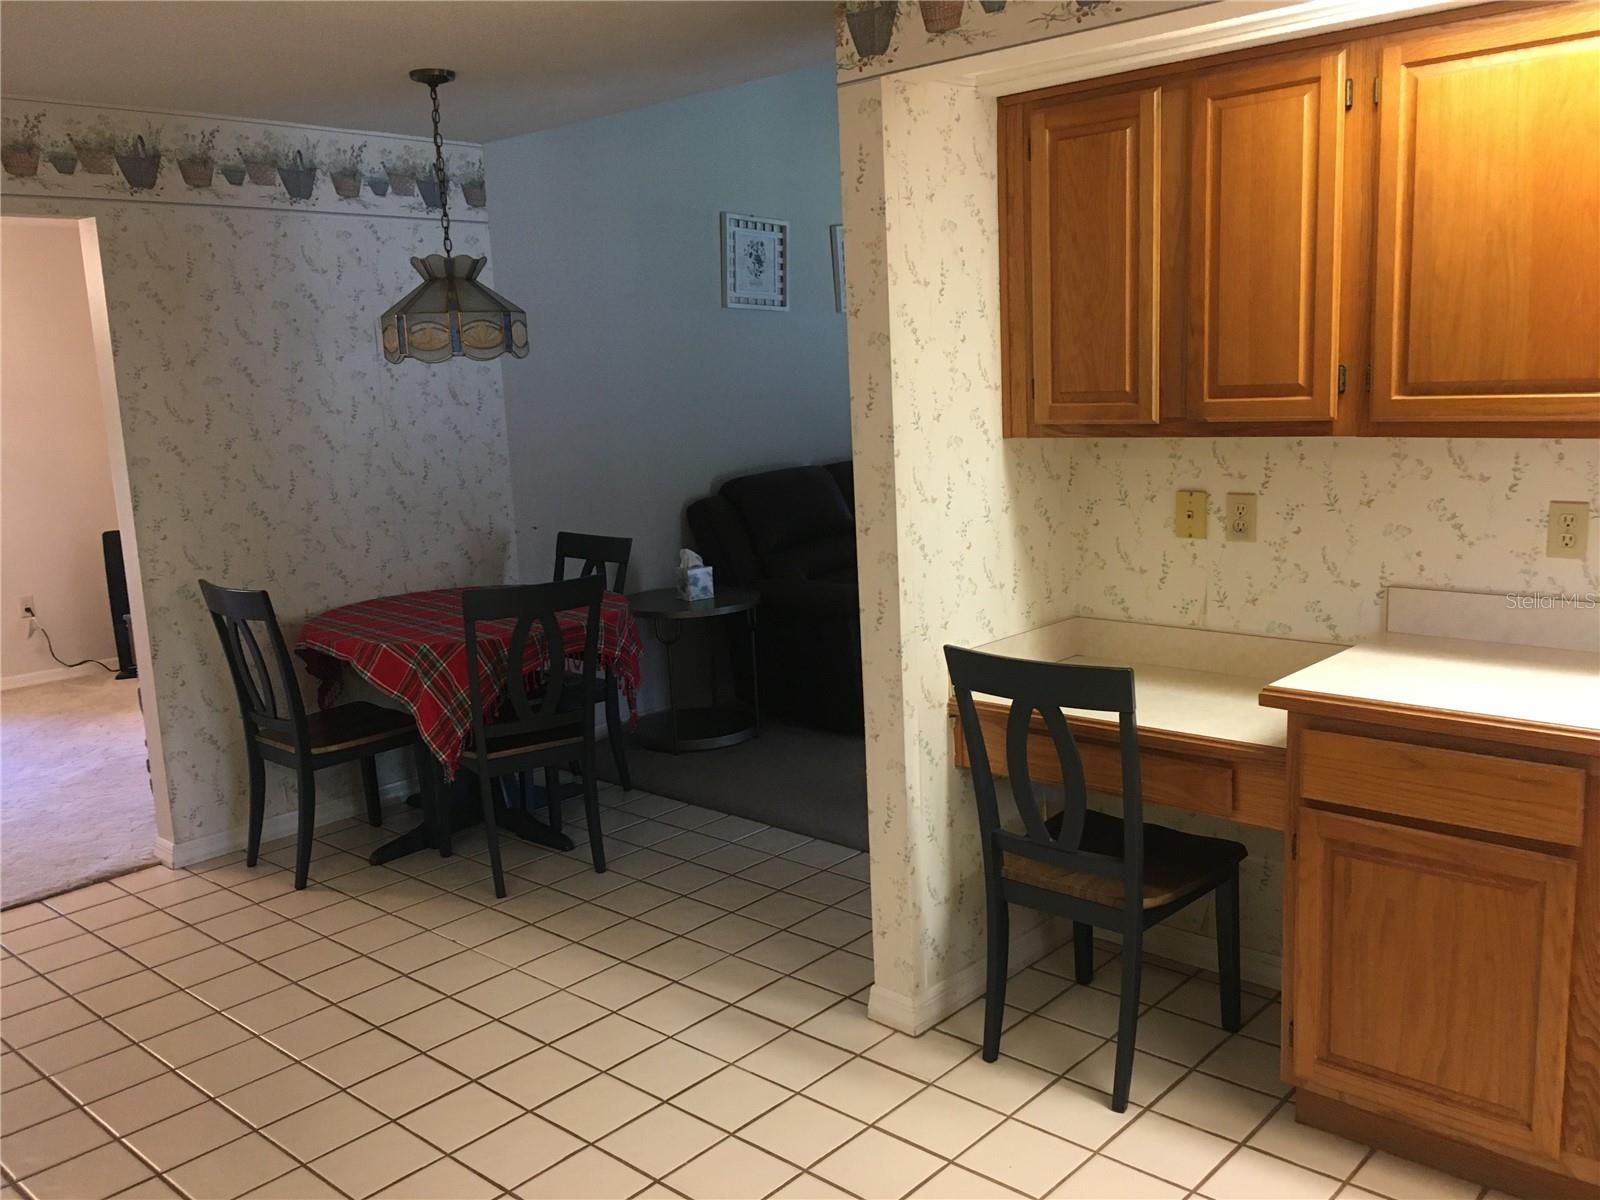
25 608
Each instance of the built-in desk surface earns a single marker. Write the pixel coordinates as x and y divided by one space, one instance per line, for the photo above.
1194 683
1205 742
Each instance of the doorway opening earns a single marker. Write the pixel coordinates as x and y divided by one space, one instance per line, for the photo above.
76 796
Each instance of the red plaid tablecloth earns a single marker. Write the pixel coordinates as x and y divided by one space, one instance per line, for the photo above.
414 648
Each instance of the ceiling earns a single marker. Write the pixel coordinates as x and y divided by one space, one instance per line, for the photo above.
522 65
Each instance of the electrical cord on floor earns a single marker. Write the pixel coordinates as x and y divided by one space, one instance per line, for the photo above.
82 662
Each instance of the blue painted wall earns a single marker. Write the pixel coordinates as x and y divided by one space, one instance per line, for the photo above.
641 392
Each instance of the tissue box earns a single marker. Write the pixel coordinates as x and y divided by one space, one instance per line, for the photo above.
694 583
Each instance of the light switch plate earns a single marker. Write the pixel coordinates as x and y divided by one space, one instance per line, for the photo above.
1239 517
1189 519
1569 529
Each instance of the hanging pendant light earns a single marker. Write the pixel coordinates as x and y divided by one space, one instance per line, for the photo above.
450 312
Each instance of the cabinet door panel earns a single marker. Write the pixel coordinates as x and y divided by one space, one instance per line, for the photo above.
1431 976
1265 230
1095 249
1488 226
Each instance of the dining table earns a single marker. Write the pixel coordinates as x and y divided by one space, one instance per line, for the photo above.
412 647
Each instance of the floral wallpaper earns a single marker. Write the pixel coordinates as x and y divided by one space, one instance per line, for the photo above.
49 149
874 37
269 444
967 537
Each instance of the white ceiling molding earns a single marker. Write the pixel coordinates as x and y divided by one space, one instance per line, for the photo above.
1167 37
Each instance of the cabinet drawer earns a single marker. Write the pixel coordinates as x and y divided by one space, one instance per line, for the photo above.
1541 801
1194 784
1165 779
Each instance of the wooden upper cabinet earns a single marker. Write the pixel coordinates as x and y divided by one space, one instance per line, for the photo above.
1094 249
1265 195
1431 977
1487 305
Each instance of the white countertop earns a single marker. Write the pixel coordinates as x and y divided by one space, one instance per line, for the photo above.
1491 679
1208 684
1195 682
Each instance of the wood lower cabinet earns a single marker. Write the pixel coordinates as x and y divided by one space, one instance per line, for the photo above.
1424 964
1442 940
1487 284
1268 149
1391 230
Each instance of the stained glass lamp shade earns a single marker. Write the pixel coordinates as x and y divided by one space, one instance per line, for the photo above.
450 313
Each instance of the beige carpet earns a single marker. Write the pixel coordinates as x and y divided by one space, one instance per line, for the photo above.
75 802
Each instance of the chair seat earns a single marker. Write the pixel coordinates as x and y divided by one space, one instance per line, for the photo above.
1176 864
347 726
549 739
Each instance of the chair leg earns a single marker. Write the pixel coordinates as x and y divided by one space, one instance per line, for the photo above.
369 786
258 805
492 832
619 751
552 797
1083 951
1127 1016
994 996
308 822
1228 951
591 812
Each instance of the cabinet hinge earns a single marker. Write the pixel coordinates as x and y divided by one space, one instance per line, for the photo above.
1294 844
1030 149
1342 378
1376 83
1291 1031
1366 379
1030 388
1349 94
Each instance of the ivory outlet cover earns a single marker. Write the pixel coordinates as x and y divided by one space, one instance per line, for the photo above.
1239 517
1569 529
1189 519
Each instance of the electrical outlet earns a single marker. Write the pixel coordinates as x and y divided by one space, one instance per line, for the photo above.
1569 529
1240 514
1189 519
25 608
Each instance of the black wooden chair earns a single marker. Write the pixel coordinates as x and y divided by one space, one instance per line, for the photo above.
597 554
551 726
279 730
1096 869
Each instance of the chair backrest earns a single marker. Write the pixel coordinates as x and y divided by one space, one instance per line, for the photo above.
1047 688
258 677
556 704
597 553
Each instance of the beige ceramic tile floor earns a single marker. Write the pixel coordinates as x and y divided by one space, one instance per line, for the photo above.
690 1023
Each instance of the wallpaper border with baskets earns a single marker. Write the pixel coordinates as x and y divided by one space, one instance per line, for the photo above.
72 151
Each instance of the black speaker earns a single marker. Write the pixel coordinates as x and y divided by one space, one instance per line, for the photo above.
117 593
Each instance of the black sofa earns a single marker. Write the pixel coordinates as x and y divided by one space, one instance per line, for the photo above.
790 534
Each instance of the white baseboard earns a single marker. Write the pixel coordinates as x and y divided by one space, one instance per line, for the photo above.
330 811
53 675
915 1015
918 1014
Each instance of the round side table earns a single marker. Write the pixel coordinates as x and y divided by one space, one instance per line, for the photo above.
718 723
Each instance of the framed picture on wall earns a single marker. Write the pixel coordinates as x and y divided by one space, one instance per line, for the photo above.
755 263
836 236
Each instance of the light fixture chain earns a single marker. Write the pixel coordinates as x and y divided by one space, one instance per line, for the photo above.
439 173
